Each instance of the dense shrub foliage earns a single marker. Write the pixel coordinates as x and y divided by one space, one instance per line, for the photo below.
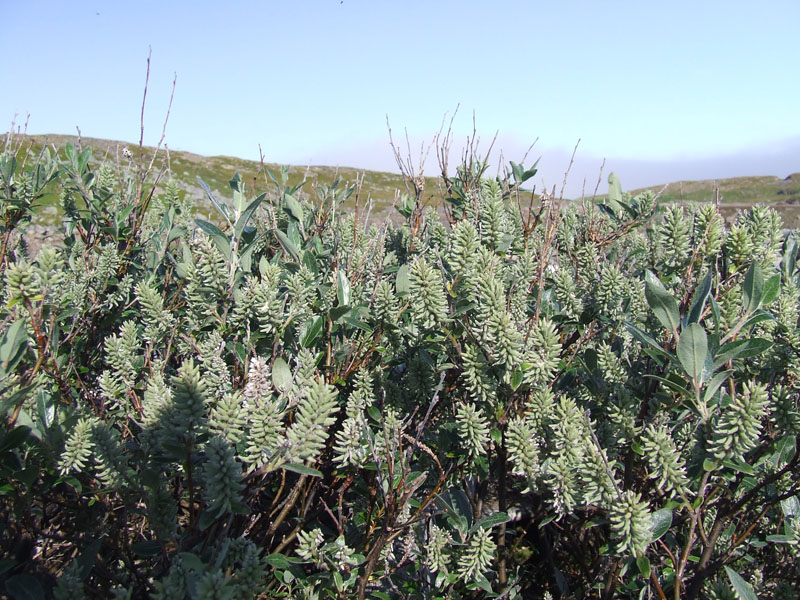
585 399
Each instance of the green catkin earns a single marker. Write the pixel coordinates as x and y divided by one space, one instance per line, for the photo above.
477 377
478 555
523 449
315 413
630 523
227 418
708 231
222 476
567 292
158 320
473 429
189 402
309 544
350 447
492 215
612 292
610 365
437 555
739 247
464 242
674 238
122 354
542 352
428 304
665 461
78 448
737 428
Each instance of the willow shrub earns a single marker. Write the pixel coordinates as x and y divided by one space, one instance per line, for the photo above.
587 399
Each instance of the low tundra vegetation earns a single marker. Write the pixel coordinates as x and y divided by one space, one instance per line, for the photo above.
583 399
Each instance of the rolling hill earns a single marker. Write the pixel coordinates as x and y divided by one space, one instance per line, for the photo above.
381 188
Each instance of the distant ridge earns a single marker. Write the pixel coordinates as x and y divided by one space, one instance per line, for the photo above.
381 187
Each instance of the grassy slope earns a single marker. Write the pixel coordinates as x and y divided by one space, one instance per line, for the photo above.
380 187
186 167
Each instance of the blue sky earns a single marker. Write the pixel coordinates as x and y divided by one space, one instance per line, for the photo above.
662 91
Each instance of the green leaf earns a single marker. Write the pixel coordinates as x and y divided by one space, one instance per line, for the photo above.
647 340
14 438
660 522
661 302
239 200
739 466
288 245
277 561
458 521
192 561
781 539
744 590
791 507
741 349
8 164
281 375
302 469
245 217
215 233
614 198
310 332
772 288
673 385
208 517
482 583
752 288
490 521
701 295
342 288
24 587
789 260
246 253
757 317
221 208
402 283
146 549
644 566
294 208
13 345
516 379
714 384
692 350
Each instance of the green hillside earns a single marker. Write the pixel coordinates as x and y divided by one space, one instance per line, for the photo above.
185 168
380 188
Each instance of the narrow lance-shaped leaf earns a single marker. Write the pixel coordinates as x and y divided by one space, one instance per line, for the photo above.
692 350
288 245
714 385
744 591
699 300
246 215
752 288
294 208
221 208
342 288
772 287
661 302
215 233
660 522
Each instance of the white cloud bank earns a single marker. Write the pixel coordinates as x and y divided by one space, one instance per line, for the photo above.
780 159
